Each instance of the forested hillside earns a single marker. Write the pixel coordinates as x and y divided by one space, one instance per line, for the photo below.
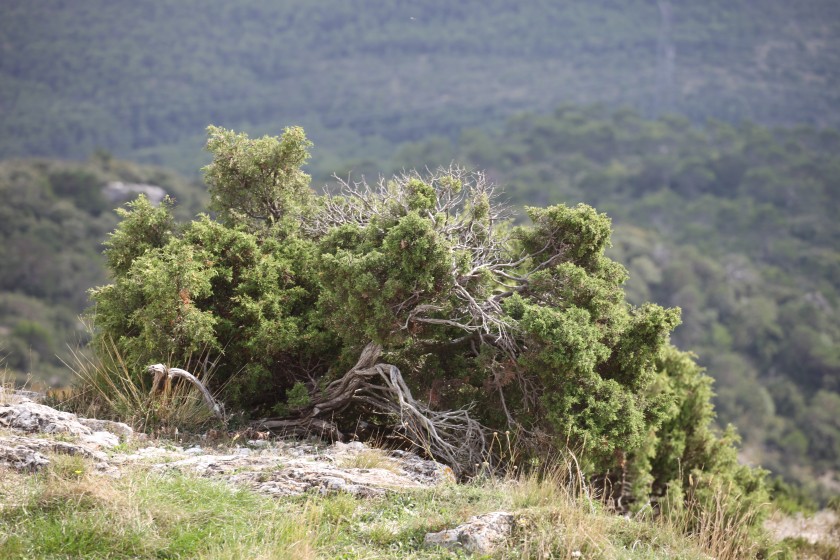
735 225
143 79
53 221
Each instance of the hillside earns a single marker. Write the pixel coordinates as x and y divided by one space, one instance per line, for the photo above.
735 225
53 221
142 80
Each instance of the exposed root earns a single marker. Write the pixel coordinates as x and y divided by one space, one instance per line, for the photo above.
451 437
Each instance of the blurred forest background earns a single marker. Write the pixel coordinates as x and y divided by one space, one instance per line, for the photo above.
705 129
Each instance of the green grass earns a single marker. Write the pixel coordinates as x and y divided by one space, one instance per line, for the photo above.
68 511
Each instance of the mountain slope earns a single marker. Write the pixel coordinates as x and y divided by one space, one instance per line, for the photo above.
144 79
53 221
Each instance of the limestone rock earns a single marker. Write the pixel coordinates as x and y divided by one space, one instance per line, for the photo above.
27 453
124 431
823 526
27 416
17 395
279 468
482 534
22 458
117 191
291 468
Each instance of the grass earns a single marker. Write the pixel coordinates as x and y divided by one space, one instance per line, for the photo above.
108 387
371 458
69 511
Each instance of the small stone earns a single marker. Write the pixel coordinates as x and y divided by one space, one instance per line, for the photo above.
124 431
482 534
101 439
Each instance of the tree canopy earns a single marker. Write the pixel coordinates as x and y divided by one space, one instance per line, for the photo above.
364 77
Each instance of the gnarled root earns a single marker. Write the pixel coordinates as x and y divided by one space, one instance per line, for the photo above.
451 437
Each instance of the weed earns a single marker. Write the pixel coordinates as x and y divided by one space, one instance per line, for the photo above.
711 514
68 467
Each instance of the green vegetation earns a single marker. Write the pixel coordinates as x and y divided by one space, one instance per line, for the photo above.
527 327
52 222
143 80
735 225
532 321
71 512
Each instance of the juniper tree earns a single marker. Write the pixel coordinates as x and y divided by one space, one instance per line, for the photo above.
459 322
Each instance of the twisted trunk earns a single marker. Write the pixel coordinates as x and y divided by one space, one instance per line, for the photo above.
451 437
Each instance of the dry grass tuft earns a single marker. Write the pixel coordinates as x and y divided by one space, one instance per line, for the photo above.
108 387
711 516
371 458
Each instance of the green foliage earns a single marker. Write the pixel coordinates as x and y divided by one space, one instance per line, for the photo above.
144 227
216 289
257 180
298 396
735 225
688 452
583 233
364 283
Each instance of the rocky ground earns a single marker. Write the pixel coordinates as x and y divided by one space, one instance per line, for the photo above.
31 433
823 526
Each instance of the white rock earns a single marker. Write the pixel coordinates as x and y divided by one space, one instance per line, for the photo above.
101 439
26 453
482 534
279 467
22 458
124 431
116 191
31 417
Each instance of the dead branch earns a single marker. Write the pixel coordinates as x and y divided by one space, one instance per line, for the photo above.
162 373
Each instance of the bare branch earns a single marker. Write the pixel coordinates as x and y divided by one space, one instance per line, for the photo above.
160 372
